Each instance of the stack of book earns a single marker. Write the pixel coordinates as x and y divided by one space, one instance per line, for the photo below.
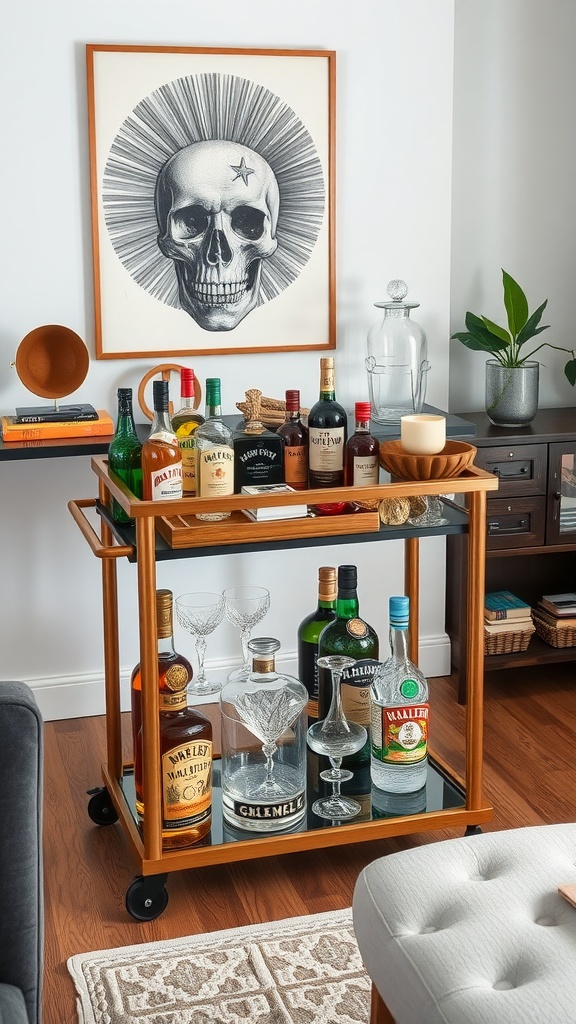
26 428
555 619
508 623
266 515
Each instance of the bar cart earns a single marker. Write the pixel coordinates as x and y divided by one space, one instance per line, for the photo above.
169 529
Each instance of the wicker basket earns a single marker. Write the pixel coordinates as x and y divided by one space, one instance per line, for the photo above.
556 636
507 643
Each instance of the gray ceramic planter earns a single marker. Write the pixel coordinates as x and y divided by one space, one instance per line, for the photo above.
511 393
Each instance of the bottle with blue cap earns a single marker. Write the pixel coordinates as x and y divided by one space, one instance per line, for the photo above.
399 713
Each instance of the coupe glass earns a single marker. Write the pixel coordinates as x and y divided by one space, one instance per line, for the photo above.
200 613
245 607
336 737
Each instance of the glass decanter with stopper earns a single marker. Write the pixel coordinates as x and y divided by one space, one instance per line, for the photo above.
264 745
397 362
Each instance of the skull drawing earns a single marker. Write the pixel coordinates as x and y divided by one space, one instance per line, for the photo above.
217 209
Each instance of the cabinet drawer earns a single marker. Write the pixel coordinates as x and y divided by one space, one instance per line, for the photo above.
521 469
517 523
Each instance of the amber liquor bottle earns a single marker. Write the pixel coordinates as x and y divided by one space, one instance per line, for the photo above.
161 456
327 426
185 422
362 451
185 742
295 436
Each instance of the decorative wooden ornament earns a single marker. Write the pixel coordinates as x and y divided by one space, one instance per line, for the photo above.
164 370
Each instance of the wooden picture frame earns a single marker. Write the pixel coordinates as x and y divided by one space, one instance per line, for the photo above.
213 200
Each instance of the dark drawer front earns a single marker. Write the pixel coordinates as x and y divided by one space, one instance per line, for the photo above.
521 469
514 524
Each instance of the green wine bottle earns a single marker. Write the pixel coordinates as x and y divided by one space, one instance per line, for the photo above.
124 454
308 632
352 636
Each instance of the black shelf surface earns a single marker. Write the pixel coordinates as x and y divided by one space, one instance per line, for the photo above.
457 522
442 793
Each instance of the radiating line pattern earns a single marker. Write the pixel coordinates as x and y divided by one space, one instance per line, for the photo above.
198 108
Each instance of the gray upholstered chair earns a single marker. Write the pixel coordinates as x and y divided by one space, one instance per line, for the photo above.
21 905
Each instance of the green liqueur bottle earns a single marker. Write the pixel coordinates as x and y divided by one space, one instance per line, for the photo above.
308 632
125 454
352 636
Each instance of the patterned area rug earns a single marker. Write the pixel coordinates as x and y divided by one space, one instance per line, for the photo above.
303 970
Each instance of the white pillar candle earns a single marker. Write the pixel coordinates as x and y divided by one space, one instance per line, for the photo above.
423 433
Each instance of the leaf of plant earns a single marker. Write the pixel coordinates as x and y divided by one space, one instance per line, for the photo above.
570 371
479 343
500 332
531 329
516 304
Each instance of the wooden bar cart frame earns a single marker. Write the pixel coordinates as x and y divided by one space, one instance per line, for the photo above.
152 863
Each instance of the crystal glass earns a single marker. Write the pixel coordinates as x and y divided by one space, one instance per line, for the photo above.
245 607
200 613
336 737
433 514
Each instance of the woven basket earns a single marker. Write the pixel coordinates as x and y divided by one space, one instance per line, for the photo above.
556 636
507 643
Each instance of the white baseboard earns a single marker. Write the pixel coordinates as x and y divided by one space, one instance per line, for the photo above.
81 696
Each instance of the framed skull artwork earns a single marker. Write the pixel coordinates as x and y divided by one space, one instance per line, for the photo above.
212 186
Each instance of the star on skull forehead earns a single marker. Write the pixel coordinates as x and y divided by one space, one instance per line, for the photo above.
242 171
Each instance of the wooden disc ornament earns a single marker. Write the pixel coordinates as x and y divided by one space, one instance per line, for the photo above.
164 370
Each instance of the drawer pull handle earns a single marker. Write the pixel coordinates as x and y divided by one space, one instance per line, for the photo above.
495 527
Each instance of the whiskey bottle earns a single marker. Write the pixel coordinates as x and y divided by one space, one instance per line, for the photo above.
185 422
264 745
215 465
125 454
352 636
161 457
399 713
295 437
362 451
327 426
308 632
185 742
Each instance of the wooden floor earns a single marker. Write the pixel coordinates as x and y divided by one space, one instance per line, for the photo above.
530 778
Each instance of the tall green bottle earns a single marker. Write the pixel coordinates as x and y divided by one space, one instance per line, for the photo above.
124 454
308 632
352 636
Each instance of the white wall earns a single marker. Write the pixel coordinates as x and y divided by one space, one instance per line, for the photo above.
514 155
394 122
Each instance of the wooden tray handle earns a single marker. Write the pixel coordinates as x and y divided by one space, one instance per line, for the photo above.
86 528
165 369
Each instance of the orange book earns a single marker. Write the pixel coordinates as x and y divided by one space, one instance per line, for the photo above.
12 431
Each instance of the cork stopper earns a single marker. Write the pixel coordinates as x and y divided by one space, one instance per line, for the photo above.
327 583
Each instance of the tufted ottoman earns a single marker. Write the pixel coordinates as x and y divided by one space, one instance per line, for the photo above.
472 930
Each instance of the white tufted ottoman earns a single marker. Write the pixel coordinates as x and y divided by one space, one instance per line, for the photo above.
472 930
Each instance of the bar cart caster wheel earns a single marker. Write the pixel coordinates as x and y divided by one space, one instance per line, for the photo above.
101 810
146 897
473 830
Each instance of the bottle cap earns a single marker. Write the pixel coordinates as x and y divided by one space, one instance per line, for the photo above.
160 395
292 401
362 411
327 583
164 613
187 382
399 608
347 580
213 390
263 645
124 392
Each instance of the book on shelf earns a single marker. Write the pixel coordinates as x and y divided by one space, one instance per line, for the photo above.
559 604
265 515
12 431
565 621
61 414
509 625
502 604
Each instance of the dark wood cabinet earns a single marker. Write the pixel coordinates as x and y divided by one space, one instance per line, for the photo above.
530 528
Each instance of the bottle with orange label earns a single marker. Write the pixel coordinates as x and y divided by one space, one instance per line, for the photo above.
352 636
161 456
295 437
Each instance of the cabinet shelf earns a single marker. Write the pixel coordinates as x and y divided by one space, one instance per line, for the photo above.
450 802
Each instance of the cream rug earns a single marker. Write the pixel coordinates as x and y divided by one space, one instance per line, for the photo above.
303 970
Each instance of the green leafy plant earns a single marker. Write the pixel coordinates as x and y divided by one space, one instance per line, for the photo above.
507 346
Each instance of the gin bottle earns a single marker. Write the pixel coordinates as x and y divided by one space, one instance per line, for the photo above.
308 633
215 465
399 713
264 745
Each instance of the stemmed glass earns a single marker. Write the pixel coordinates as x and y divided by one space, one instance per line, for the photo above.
245 607
200 613
336 737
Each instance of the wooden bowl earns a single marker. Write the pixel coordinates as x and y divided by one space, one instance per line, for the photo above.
52 361
455 457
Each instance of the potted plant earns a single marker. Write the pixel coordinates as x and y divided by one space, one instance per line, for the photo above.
512 374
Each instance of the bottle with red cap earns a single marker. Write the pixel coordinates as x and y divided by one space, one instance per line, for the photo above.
295 437
362 451
184 424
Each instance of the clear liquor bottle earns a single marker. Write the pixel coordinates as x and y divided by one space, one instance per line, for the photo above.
185 422
161 457
352 636
327 430
185 742
308 633
295 437
362 451
399 713
125 454
215 447
264 745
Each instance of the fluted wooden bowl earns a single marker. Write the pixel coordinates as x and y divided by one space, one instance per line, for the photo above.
455 457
